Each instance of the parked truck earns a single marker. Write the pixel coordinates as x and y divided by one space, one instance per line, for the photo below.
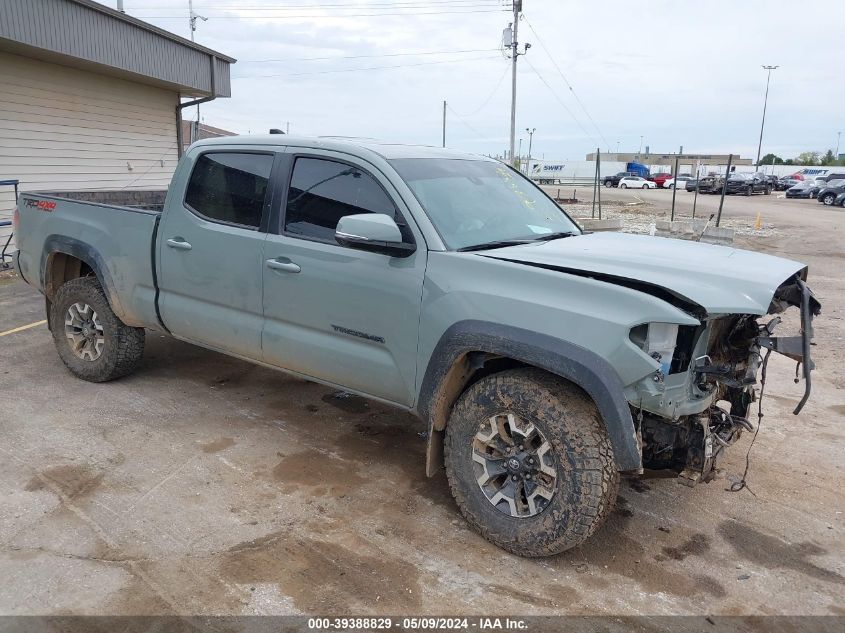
545 360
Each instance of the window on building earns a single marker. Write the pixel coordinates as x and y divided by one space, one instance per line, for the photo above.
230 187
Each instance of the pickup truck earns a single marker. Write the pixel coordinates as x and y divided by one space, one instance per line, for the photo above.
613 181
545 360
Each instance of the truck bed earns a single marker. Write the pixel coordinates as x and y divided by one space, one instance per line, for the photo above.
111 231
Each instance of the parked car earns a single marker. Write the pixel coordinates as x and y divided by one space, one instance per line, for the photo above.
827 195
659 179
635 182
711 184
789 181
839 201
613 181
773 181
681 180
691 184
806 189
748 184
439 283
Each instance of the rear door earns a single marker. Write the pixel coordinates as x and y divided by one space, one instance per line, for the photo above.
340 315
210 251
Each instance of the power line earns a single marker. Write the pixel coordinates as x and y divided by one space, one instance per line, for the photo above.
559 100
345 6
301 17
349 70
320 59
487 100
571 89
467 125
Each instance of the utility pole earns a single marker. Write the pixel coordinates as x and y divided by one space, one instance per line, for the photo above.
768 70
641 146
836 153
530 141
192 21
444 123
511 33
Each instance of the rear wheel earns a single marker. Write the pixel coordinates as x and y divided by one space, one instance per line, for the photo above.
529 462
749 191
91 341
608 183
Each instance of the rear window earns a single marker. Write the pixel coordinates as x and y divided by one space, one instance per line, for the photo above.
230 187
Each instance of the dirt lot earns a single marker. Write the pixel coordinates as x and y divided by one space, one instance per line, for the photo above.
206 485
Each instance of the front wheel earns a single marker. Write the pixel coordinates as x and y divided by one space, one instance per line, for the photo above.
92 342
623 186
828 199
529 462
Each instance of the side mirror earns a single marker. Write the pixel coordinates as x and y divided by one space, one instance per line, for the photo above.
374 232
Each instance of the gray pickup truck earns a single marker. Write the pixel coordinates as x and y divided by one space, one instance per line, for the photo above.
545 360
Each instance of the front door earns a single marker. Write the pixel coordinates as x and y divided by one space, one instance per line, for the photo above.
210 252
340 315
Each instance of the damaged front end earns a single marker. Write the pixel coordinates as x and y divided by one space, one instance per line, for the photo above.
698 401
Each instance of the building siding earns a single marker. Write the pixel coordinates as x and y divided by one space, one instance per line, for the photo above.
68 129
101 36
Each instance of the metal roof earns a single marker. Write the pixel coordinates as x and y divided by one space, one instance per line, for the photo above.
86 34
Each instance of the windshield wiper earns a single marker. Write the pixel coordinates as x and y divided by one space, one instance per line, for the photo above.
553 236
494 244
516 242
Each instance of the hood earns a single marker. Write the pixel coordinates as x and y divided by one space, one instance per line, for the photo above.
719 279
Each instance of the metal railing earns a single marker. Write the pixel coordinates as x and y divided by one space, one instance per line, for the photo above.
6 240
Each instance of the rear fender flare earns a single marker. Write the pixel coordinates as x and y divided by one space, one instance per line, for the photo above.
579 365
55 244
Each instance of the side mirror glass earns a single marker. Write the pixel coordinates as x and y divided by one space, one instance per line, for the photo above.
374 232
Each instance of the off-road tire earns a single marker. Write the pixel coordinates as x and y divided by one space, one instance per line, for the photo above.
587 480
124 345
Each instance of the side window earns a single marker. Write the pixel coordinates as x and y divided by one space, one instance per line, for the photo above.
230 187
323 191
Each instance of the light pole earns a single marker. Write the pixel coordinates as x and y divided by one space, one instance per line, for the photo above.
531 140
641 146
836 154
192 20
768 70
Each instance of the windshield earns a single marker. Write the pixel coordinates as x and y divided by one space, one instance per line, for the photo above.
472 202
836 183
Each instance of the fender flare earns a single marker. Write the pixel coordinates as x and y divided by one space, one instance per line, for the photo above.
86 253
577 364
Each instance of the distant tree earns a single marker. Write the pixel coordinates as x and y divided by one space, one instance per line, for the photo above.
807 158
768 158
789 161
828 158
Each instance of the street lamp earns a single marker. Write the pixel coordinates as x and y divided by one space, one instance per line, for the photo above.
530 140
768 70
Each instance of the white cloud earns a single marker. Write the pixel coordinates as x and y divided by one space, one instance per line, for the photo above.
675 72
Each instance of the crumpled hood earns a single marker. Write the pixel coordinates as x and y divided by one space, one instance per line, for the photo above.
720 279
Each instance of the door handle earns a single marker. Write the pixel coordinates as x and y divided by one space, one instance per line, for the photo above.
179 243
283 263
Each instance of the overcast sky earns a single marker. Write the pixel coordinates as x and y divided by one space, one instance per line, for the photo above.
675 72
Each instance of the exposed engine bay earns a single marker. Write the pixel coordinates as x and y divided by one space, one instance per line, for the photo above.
723 362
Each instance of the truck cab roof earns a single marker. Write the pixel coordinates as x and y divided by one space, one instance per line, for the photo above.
350 145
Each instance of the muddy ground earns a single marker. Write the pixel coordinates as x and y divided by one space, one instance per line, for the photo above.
205 485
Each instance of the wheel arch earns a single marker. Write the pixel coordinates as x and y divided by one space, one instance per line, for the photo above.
64 258
469 350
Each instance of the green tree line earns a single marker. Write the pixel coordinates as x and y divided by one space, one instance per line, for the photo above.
804 158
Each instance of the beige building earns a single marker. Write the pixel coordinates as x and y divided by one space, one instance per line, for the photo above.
91 98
